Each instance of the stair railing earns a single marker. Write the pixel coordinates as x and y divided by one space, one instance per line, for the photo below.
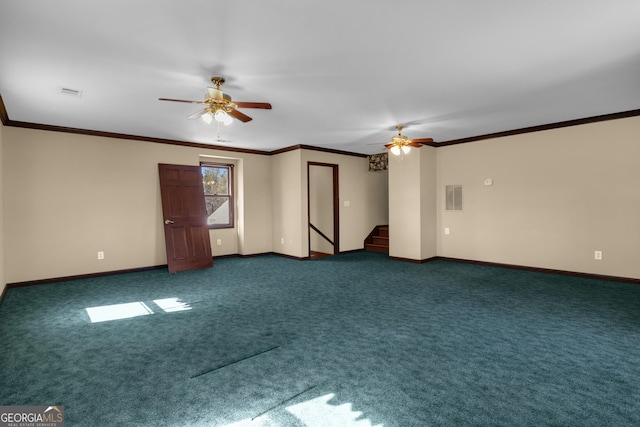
317 230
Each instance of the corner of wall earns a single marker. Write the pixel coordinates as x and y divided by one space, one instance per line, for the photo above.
286 203
428 205
2 276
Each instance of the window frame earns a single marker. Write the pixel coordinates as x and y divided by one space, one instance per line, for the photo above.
230 196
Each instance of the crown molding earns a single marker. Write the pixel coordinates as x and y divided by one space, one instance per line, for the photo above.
314 148
6 121
37 126
576 122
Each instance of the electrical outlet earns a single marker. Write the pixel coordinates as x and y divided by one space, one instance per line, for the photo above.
219 242
446 230
282 240
598 255
101 255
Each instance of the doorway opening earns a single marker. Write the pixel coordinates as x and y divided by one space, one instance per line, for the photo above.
322 209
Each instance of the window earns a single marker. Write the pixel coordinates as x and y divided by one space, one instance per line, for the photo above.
453 197
217 180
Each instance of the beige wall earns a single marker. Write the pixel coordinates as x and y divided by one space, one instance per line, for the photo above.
2 268
557 196
255 205
286 195
366 193
428 207
412 206
404 205
69 196
252 231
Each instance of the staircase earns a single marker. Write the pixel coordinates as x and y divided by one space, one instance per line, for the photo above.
378 240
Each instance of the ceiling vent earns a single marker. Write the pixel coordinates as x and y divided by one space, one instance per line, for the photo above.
72 92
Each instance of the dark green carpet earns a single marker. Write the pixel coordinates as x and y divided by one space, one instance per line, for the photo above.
353 340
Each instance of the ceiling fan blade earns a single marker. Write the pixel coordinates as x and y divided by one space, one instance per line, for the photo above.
388 146
198 114
422 140
263 105
240 116
181 100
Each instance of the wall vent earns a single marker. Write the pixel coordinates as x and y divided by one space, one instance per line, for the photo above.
453 197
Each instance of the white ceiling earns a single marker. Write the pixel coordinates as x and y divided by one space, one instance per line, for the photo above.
339 74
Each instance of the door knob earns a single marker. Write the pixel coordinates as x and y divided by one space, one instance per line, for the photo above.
168 221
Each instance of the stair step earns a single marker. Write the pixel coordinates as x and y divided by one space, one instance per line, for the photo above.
372 247
381 240
383 231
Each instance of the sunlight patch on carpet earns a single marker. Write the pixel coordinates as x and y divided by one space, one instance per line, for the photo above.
319 413
105 313
171 304
316 412
128 310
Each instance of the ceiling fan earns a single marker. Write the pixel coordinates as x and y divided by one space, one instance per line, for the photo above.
219 106
401 144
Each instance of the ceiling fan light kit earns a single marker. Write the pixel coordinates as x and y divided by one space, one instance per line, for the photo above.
222 116
207 118
398 148
400 144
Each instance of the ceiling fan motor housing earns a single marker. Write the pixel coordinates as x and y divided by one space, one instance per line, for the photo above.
214 94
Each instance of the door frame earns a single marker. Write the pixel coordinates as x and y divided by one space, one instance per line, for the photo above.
336 207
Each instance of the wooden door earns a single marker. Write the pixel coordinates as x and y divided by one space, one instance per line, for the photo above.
184 213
